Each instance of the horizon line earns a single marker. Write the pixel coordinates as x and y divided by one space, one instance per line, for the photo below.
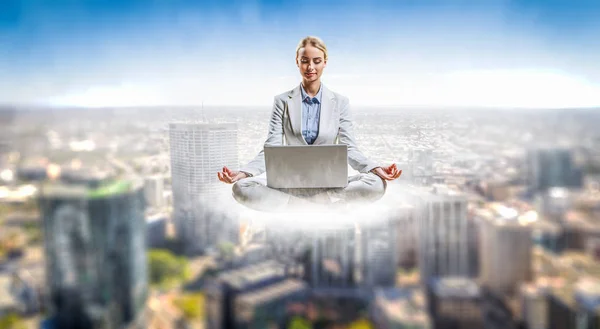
268 106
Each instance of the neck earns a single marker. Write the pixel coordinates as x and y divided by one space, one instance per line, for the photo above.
311 87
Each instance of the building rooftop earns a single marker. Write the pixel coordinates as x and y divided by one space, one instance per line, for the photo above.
403 305
455 287
501 215
587 292
108 188
198 125
252 274
272 292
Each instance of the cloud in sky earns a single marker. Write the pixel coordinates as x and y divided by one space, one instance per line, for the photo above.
504 53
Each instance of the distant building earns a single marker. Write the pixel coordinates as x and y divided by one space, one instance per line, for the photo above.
421 166
498 310
32 173
456 303
505 247
587 298
156 230
95 253
154 191
198 152
574 305
401 308
267 306
406 236
552 167
379 247
221 292
331 259
441 215
534 306
592 248
253 254
579 229
554 203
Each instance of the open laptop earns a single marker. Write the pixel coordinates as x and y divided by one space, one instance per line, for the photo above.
307 166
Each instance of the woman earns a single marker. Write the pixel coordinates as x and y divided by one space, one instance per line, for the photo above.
315 115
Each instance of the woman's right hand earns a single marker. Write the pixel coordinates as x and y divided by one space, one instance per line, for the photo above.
230 176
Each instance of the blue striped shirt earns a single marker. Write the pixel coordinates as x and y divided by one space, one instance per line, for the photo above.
311 112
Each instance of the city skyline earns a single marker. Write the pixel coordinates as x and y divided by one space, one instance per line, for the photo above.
470 181
531 54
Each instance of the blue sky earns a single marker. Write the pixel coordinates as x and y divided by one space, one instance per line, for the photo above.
161 52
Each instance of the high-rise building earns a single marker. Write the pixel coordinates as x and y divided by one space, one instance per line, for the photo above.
95 253
441 216
154 191
548 167
331 260
379 240
198 152
505 247
421 166
406 236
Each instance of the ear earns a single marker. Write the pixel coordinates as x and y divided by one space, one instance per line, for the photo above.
324 63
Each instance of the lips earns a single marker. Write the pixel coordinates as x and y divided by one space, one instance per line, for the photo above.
310 74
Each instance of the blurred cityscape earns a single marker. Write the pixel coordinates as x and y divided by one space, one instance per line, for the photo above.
115 218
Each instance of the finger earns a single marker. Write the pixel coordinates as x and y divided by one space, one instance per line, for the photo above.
392 171
225 169
398 173
227 178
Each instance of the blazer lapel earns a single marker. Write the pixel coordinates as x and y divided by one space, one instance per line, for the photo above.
328 104
295 113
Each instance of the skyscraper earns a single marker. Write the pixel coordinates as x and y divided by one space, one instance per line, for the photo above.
505 248
153 191
548 167
406 236
379 239
198 152
331 259
95 252
441 216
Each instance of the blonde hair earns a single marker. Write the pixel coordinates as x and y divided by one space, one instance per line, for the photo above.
313 41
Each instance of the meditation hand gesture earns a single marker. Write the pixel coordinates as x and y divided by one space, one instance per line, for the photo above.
387 173
230 176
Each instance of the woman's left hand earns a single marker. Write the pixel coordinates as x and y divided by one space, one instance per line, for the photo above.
387 173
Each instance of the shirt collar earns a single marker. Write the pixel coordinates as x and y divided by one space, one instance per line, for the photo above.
317 96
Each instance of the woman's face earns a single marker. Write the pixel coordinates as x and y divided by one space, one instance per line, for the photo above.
311 62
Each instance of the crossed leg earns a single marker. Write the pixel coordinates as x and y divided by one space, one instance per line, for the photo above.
254 193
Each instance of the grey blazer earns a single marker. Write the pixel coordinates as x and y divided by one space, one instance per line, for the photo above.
335 126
